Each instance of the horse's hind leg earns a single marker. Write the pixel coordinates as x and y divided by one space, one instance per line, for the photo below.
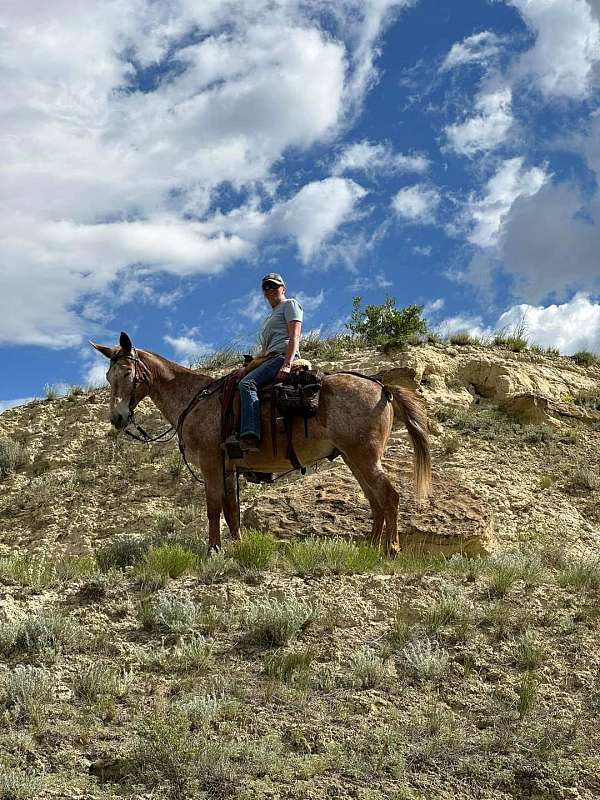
214 506
368 465
230 505
376 510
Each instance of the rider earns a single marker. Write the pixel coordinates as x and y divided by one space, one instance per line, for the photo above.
280 340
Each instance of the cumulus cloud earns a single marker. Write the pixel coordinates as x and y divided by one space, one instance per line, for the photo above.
186 348
549 245
480 48
566 49
316 212
471 324
121 120
488 128
416 203
377 158
511 181
310 302
570 326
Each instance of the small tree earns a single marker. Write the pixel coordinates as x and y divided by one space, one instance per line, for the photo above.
385 324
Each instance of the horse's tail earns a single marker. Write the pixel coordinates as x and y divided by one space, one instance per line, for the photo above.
413 414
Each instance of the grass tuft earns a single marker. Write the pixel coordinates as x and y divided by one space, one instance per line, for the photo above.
529 653
121 552
585 358
368 669
100 680
170 559
527 693
289 665
12 456
255 550
275 622
582 573
18 784
506 569
337 556
28 691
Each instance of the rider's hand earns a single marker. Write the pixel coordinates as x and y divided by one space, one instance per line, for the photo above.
283 373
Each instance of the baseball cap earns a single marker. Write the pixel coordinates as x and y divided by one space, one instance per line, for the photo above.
273 277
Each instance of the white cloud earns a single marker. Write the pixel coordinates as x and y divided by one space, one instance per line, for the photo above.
372 158
186 348
488 128
310 302
98 173
460 323
422 250
480 48
315 212
570 326
549 245
416 203
95 375
566 49
433 306
20 401
511 181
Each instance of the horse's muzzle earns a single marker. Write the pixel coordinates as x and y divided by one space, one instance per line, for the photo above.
118 421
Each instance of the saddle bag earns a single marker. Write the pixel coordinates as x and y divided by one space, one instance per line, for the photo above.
299 395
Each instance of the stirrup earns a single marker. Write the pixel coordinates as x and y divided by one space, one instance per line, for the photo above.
232 447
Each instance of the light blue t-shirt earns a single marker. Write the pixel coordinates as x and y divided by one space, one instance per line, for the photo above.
274 336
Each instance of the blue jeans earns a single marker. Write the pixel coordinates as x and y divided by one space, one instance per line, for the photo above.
249 386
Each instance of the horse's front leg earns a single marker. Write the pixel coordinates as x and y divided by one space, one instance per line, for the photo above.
230 505
214 505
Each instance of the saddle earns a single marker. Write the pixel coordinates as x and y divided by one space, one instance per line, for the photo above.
298 395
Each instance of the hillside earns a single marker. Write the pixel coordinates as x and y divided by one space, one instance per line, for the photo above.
135 667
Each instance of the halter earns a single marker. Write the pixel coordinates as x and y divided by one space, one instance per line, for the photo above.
145 436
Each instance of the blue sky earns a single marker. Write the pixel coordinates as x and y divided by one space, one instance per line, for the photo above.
159 156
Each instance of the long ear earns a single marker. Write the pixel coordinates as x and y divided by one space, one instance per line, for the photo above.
125 342
106 351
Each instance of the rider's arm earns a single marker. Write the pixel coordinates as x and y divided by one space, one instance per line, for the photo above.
294 328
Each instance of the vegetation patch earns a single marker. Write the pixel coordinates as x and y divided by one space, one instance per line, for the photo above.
255 550
171 559
28 691
12 456
337 556
585 358
121 552
168 612
275 622
289 666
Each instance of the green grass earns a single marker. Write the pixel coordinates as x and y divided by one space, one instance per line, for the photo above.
170 559
588 398
337 556
121 552
256 550
289 665
527 694
585 358
580 573
461 338
100 680
450 608
506 569
218 359
275 622
529 653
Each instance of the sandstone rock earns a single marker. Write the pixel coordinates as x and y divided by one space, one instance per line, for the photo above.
528 408
407 377
455 520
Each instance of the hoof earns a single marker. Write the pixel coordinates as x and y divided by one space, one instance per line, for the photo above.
214 548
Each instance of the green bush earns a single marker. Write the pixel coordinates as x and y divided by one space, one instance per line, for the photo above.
384 324
584 358
169 559
255 550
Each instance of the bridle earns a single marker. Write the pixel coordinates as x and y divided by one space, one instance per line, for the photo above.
145 437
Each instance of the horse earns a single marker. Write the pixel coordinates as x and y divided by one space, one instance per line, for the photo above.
355 419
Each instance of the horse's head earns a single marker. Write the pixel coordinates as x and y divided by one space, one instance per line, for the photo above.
129 380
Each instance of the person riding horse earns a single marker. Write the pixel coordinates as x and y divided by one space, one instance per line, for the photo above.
280 340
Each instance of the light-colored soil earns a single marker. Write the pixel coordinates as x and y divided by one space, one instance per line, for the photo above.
507 489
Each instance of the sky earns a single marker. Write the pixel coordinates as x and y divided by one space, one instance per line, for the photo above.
160 156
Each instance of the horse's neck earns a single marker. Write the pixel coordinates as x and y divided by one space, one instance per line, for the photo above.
172 390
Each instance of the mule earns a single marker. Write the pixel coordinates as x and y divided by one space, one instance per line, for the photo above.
355 417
